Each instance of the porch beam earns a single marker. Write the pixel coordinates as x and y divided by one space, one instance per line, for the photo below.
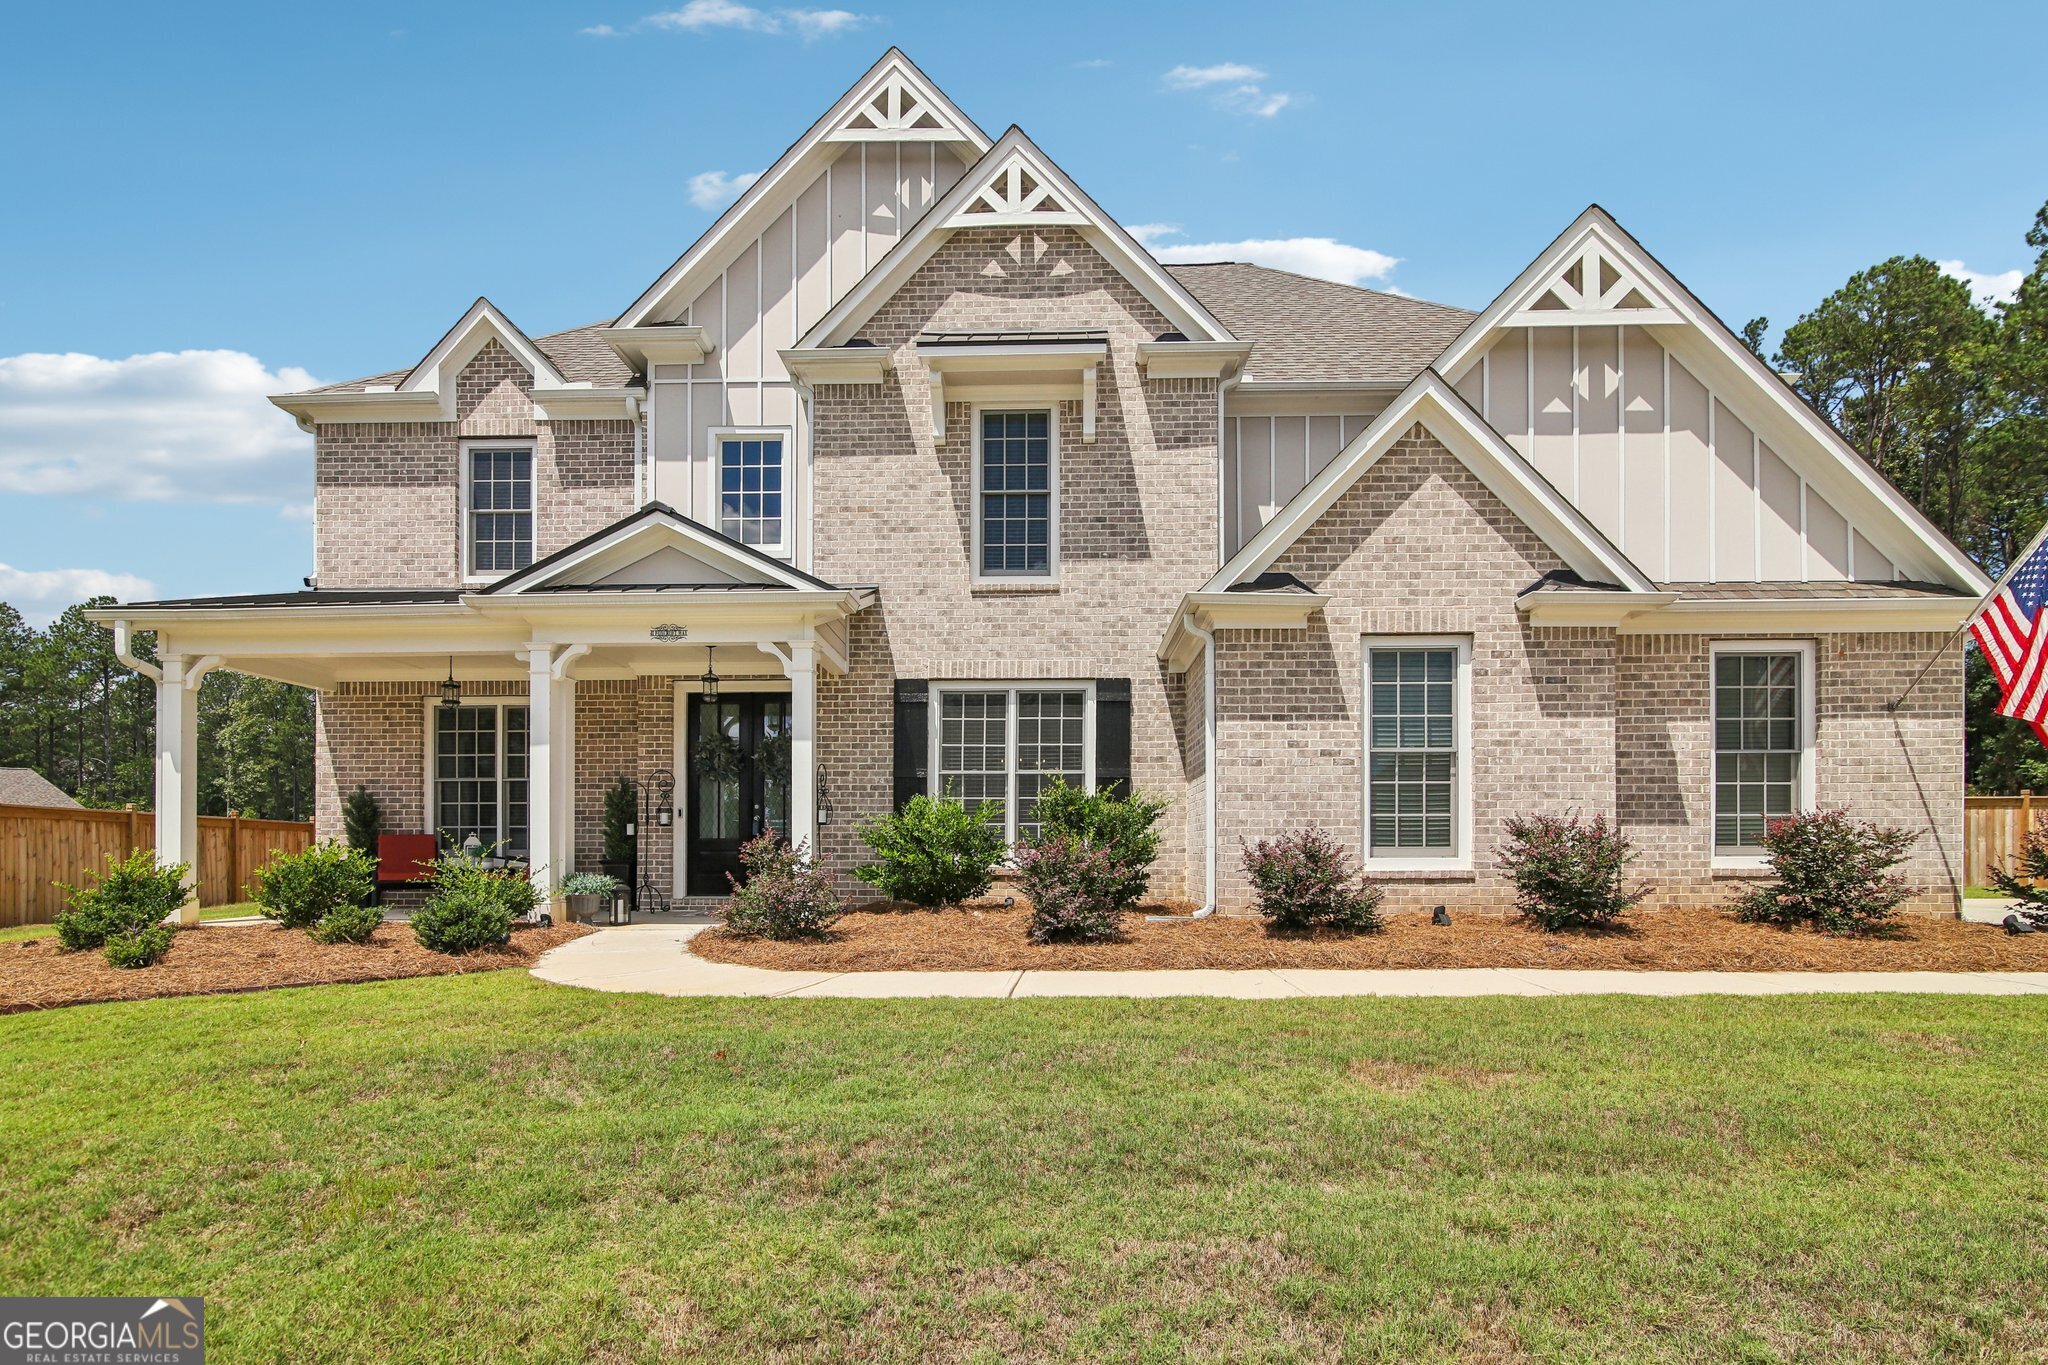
177 777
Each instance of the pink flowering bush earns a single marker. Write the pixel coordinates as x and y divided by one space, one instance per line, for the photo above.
1570 872
1831 872
785 896
1076 889
1304 880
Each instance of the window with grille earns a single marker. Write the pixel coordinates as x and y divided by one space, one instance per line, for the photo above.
1015 471
1414 801
480 776
500 510
1007 744
750 490
1759 744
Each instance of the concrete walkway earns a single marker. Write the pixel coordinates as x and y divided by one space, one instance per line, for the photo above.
652 959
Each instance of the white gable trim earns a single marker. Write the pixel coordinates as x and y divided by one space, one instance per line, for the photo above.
427 393
1718 359
997 183
1430 400
643 535
817 148
480 326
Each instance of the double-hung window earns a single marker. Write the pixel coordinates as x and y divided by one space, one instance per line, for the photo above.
498 501
1016 482
753 489
1008 743
1417 712
479 783
1763 728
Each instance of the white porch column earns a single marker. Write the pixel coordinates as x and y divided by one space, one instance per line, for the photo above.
177 777
802 667
543 759
565 777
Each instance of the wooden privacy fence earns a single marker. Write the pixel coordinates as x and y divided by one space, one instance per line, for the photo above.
41 846
1992 826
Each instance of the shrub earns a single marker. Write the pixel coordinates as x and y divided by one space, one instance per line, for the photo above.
2028 865
133 895
142 948
933 852
298 890
1122 826
470 906
784 895
1075 890
1830 872
1568 871
621 809
362 819
1304 881
348 924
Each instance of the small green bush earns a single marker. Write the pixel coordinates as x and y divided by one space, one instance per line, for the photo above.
142 948
934 852
471 906
1076 890
621 808
1304 881
588 884
362 819
2021 877
1122 826
1569 872
133 894
1831 872
348 924
784 895
298 890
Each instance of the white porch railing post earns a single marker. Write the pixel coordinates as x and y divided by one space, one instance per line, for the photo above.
177 778
803 762
543 758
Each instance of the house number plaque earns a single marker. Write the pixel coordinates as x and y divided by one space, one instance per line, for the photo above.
669 633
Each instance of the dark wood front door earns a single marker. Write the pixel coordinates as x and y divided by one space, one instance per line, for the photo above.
738 768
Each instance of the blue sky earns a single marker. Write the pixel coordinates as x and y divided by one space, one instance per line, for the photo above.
211 202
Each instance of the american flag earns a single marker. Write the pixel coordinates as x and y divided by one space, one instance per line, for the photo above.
2009 629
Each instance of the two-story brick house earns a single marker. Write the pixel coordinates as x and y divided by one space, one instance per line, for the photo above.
917 472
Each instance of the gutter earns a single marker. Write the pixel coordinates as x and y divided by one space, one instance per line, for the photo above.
127 657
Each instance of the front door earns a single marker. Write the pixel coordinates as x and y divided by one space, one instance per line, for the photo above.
738 767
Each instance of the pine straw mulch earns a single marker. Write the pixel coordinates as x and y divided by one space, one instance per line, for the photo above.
1679 940
223 959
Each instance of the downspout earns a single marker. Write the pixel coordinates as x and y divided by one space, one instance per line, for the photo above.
639 453
1208 639
127 657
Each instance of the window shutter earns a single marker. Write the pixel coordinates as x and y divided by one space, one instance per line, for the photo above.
1113 735
913 737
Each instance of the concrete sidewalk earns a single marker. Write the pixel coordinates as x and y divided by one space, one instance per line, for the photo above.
654 959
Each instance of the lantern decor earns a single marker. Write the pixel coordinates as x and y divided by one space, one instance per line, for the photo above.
824 799
710 678
451 691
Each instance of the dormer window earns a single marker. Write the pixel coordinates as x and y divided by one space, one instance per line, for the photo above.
753 489
497 495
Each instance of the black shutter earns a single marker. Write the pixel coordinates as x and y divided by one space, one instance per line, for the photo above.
913 737
1113 736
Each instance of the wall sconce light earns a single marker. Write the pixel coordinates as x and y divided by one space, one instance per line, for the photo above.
710 678
824 799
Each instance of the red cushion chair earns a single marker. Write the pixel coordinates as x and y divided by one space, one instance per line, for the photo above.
403 859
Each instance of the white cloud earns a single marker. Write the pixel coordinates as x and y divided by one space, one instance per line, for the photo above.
1325 258
1094 64
1195 77
39 594
602 31
716 189
1985 289
699 15
1235 88
1250 99
169 426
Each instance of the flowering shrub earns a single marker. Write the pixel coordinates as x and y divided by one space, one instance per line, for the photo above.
784 895
2019 878
1304 881
1830 872
1122 826
298 890
934 851
1568 871
1075 889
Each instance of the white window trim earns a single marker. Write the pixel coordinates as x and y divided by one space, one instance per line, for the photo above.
1459 859
935 779
432 804
1738 862
718 436
1024 402
462 479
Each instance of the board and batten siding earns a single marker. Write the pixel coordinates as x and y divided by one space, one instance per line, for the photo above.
1664 466
1269 457
770 291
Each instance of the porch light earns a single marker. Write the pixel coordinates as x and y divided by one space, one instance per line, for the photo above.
710 678
451 691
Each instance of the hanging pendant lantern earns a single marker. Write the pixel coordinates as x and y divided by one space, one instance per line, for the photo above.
710 678
451 691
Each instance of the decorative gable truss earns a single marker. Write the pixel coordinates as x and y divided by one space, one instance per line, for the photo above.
1015 193
896 104
1591 289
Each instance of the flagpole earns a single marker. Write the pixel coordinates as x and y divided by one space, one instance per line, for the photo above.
2011 565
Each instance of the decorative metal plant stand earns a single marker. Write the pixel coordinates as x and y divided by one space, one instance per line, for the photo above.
657 795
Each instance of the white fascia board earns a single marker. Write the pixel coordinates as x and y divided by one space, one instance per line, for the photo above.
586 402
477 327
640 347
1233 611
843 321
763 200
1704 616
606 618
837 364
313 409
1589 608
1430 400
1192 359
1717 356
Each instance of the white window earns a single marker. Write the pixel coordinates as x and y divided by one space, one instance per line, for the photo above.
497 509
477 776
1004 742
1016 494
1417 738
1763 741
753 488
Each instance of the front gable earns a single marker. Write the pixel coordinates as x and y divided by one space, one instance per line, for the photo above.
656 547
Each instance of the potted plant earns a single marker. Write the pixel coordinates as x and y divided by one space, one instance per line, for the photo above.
587 896
621 809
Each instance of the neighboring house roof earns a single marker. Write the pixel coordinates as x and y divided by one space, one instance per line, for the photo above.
581 354
1304 329
27 787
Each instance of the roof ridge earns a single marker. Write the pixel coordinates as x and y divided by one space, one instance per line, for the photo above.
1334 284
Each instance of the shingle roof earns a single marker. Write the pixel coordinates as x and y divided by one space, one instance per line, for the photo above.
27 787
579 353
1308 329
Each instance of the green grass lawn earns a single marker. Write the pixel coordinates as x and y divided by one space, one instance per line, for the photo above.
490 1168
26 931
